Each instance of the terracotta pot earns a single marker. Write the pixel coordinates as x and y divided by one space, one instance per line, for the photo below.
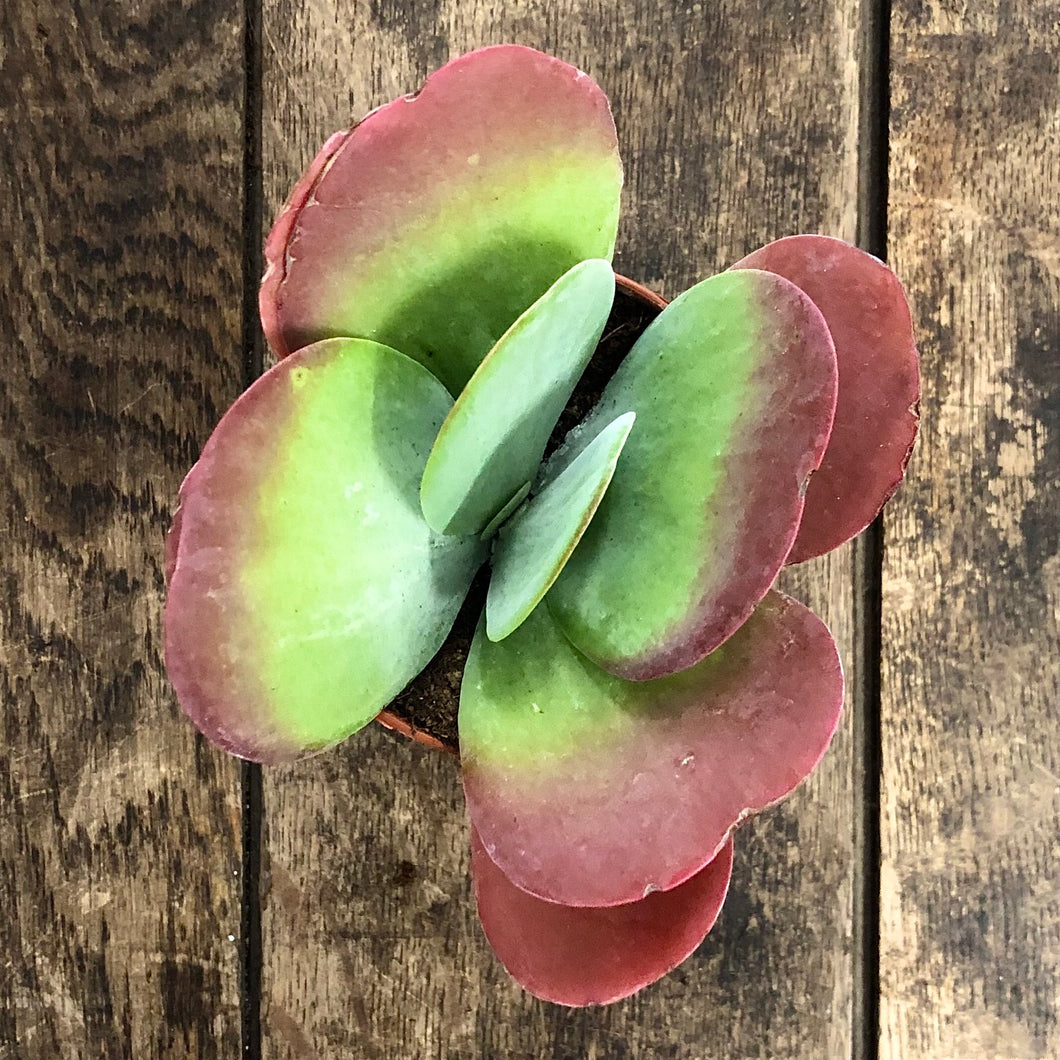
426 710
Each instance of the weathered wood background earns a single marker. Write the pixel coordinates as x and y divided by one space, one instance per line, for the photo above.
159 900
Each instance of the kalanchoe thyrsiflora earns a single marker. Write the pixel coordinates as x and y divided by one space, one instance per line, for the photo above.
636 687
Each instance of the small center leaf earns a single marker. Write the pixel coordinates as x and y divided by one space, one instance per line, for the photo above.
533 548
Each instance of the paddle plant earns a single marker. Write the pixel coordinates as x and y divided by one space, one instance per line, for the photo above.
635 686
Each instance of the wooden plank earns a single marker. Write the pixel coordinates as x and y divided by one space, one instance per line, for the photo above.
970 933
120 230
733 131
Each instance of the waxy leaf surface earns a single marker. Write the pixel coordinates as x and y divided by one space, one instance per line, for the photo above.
433 223
577 956
494 437
734 388
591 790
306 589
507 511
876 416
532 549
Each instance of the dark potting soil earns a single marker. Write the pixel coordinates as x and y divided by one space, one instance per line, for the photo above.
429 703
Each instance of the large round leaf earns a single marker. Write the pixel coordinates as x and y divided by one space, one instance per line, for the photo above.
437 220
306 589
576 956
734 387
876 415
591 790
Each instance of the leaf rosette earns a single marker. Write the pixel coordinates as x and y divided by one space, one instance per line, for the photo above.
636 687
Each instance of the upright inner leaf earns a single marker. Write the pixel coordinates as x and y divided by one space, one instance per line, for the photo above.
533 548
492 441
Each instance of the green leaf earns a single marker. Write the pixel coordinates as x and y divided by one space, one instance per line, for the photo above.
591 790
532 549
493 439
437 219
506 512
306 588
734 388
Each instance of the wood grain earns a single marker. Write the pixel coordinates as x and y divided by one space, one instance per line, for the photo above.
970 932
734 130
120 200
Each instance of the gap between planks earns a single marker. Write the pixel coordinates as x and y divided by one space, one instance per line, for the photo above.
253 364
873 158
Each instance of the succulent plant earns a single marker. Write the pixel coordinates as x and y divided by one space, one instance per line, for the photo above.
636 687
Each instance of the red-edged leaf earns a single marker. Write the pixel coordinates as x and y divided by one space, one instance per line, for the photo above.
876 415
591 790
578 956
433 223
305 589
734 386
